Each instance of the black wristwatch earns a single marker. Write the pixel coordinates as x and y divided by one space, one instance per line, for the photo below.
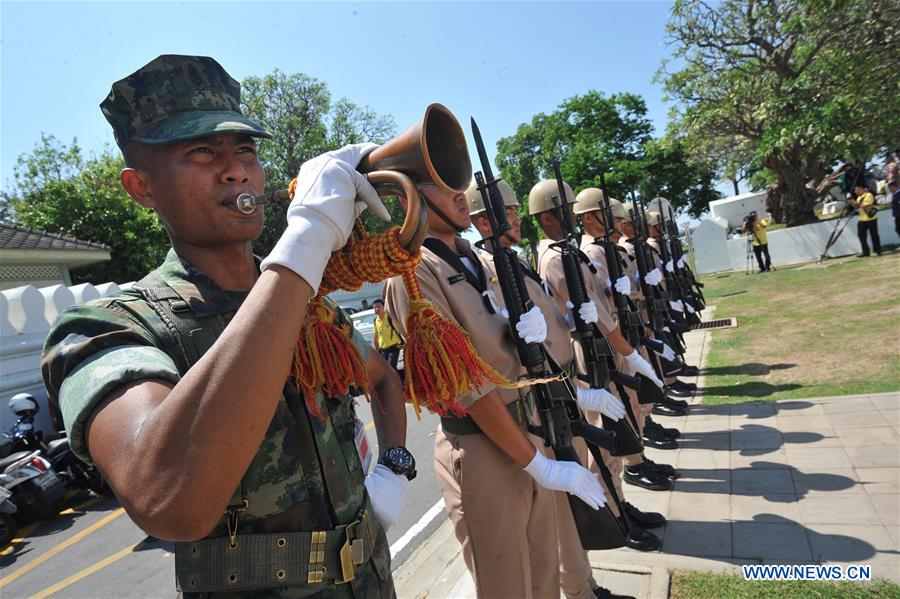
400 461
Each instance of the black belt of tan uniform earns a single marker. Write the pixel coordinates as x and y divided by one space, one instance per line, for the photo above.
248 561
467 426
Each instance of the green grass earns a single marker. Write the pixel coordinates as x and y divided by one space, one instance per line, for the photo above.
703 585
807 331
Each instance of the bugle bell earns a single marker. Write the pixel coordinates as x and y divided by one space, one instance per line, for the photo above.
431 152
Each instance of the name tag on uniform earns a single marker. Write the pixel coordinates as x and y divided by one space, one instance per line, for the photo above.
453 280
362 445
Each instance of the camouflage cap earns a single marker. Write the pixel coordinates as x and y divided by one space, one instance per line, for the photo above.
176 98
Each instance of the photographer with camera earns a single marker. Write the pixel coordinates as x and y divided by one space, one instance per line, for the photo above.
756 227
868 218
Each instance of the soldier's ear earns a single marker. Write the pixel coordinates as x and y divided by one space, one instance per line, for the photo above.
137 183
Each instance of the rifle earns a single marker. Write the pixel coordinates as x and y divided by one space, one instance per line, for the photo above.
630 322
598 358
654 299
560 417
674 282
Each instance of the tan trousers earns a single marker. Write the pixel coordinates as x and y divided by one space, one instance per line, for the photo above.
504 521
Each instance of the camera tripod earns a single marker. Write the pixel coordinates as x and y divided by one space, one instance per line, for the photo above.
750 256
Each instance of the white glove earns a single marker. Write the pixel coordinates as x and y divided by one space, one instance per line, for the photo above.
623 285
690 308
640 365
670 266
653 277
320 217
677 305
388 494
570 477
600 400
667 353
681 262
532 327
588 312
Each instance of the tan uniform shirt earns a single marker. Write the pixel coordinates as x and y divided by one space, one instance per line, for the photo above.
558 342
550 268
459 301
597 255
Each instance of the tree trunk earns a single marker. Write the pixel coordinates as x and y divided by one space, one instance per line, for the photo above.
734 182
796 199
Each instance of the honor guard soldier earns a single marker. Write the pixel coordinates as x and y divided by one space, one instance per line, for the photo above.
588 206
179 389
495 478
543 205
576 577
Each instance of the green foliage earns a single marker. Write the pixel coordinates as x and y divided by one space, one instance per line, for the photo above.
297 109
707 585
60 191
593 133
798 83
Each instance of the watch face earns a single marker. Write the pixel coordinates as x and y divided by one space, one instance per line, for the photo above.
400 457
400 461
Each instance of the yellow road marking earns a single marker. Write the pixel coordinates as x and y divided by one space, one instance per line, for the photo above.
87 571
59 548
25 532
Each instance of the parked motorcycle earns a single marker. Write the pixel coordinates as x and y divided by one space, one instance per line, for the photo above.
34 487
64 461
8 526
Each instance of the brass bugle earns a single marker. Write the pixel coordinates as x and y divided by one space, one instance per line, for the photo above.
431 152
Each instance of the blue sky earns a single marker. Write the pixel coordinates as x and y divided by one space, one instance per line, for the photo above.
501 62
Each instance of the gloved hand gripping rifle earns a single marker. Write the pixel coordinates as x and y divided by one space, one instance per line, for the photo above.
560 417
678 287
598 359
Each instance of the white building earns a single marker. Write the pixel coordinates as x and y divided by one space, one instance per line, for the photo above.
29 257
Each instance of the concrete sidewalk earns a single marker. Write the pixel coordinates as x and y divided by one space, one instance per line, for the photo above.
798 481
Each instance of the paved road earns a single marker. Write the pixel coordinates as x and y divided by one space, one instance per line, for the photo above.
94 550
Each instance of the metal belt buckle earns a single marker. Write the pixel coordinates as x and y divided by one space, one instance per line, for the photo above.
316 573
352 552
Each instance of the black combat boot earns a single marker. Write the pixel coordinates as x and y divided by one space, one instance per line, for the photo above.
665 409
658 440
642 539
641 476
604 593
662 469
643 519
667 431
676 391
692 387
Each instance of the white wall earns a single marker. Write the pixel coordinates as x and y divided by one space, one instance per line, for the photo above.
733 209
25 316
786 246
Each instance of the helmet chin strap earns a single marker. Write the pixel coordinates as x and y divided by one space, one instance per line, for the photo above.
442 215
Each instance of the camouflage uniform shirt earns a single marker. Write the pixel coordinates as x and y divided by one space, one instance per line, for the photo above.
306 474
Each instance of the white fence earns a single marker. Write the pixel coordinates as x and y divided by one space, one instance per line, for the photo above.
25 317
714 252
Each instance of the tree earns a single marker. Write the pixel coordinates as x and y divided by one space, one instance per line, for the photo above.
593 133
297 110
801 82
60 191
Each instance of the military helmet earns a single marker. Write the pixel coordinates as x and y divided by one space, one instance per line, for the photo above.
591 199
544 196
628 208
476 205
659 204
653 219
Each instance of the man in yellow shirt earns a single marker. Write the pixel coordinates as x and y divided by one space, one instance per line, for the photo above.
387 339
757 229
868 218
